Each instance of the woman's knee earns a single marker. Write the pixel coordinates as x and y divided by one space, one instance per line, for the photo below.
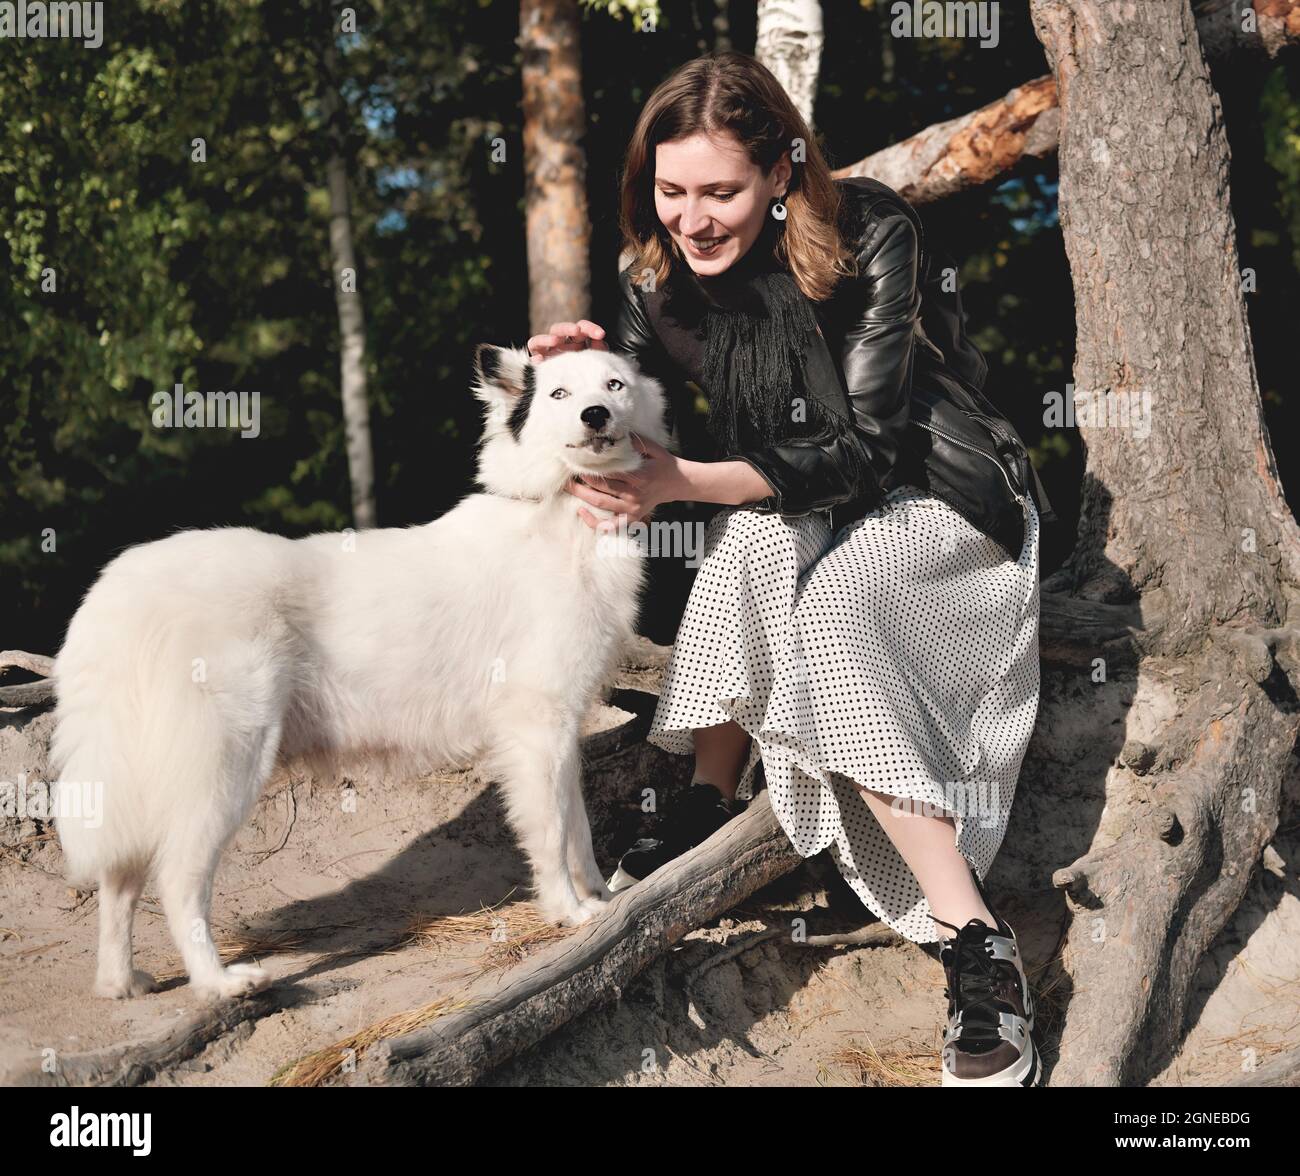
747 533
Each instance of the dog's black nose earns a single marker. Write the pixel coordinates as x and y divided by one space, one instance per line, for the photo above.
595 416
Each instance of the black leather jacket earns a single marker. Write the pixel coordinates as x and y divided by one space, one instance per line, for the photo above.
872 324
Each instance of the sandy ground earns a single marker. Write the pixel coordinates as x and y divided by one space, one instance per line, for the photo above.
348 906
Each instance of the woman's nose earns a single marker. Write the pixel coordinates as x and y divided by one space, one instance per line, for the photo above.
695 221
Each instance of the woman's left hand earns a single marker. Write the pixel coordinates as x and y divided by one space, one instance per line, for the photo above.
633 494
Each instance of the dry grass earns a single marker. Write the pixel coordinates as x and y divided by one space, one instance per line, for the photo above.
1251 1039
510 931
318 1068
237 946
900 1063
1047 981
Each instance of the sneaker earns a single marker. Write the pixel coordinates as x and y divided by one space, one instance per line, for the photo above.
989 1040
701 812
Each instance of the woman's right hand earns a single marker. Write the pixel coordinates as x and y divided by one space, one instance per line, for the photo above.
579 336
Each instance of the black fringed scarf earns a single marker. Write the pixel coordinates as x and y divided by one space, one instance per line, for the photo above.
760 338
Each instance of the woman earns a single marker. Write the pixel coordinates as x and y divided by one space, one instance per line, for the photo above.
885 673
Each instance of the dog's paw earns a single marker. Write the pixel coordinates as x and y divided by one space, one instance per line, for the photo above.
236 980
595 906
565 914
593 887
139 984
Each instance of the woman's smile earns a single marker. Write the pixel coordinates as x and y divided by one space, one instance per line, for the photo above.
712 199
707 246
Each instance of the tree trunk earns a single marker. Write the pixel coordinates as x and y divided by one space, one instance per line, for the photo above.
789 42
555 166
347 297
1182 517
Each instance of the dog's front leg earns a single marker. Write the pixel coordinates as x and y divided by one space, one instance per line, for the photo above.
587 878
536 762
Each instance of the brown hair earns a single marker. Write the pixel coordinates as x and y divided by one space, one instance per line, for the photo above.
733 92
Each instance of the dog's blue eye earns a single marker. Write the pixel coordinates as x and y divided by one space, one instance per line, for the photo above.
559 394
614 384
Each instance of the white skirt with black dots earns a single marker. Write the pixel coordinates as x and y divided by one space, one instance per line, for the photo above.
899 654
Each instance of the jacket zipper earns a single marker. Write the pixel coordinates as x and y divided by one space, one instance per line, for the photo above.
1020 498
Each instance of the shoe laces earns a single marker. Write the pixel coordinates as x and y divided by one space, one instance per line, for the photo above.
974 977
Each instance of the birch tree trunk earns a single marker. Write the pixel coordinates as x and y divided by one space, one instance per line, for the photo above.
1183 519
347 298
789 42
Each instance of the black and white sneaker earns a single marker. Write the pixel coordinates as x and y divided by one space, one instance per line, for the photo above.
989 1040
699 813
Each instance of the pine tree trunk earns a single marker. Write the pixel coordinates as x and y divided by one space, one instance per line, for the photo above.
555 164
1185 525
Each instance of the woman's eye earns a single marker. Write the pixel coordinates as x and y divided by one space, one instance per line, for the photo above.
615 385
559 394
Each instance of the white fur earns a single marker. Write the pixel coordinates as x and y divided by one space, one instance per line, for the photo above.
482 636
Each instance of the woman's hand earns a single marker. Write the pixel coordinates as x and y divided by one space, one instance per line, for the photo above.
634 494
577 336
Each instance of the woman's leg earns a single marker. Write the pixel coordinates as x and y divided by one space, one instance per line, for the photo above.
746 551
927 844
720 754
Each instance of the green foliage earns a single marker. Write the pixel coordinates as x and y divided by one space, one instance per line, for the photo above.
216 274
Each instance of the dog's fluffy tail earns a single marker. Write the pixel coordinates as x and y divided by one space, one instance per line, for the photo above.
131 733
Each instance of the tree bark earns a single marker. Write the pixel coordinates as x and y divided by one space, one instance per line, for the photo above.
789 42
1186 521
347 298
595 963
558 228
988 144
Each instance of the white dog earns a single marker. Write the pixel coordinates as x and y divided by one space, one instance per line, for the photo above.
196 661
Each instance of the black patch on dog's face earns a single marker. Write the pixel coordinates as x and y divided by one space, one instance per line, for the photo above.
519 414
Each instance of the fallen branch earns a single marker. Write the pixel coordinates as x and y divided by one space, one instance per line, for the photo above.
139 1062
35 663
873 935
27 693
593 965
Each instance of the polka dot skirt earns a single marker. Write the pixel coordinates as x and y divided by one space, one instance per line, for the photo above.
900 654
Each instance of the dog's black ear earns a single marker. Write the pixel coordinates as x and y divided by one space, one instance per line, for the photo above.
485 363
501 374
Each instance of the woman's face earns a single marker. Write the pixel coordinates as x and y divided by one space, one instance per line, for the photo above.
706 188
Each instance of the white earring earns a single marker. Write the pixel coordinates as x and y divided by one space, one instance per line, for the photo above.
778 211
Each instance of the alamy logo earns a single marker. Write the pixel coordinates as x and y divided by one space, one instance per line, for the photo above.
102 1129
947 18
179 409
28 18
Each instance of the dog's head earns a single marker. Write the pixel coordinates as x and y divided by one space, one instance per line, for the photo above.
573 413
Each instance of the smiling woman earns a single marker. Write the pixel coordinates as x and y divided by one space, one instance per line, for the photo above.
885 673
714 220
